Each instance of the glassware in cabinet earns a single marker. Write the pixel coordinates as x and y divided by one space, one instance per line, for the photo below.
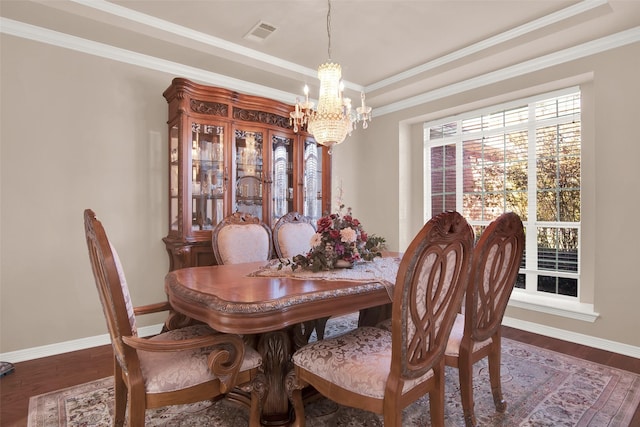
312 179
174 170
282 180
207 175
249 174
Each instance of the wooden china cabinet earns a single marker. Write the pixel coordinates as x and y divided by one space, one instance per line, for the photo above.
232 152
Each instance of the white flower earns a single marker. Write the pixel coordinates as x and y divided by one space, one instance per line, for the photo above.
316 240
348 235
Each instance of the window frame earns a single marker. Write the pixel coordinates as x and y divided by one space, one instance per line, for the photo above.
529 297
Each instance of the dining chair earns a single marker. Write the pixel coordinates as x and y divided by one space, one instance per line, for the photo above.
476 332
385 371
292 235
241 237
177 367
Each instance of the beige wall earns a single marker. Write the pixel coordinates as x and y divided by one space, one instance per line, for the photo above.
78 131
390 151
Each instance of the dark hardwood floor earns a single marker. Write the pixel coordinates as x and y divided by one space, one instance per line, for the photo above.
52 373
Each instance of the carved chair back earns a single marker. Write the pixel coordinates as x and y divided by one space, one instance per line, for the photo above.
113 291
292 235
241 237
497 258
429 288
476 334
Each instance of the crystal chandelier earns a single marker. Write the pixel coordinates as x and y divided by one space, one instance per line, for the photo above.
334 119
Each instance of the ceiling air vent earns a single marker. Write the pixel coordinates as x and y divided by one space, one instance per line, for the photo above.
260 31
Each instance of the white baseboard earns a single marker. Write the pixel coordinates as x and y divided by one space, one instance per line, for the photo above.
96 341
595 342
67 346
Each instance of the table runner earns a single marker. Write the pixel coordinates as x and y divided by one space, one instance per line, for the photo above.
381 270
378 270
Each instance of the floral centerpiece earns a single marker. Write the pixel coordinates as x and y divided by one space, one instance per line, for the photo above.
339 241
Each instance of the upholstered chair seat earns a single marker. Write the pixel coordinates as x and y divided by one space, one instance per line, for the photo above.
170 371
455 339
384 324
358 361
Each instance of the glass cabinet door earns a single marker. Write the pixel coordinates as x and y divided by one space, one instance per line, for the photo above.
249 174
282 179
207 175
174 171
312 184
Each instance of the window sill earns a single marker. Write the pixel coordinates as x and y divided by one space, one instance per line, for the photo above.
552 305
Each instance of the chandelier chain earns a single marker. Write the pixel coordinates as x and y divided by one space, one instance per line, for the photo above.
329 30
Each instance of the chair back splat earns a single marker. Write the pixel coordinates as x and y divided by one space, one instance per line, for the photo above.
384 371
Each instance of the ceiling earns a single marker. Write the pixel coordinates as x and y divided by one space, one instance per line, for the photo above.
390 49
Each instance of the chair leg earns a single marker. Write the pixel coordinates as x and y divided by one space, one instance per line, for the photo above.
258 390
494 375
137 406
436 398
120 393
294 392
465 374
393 418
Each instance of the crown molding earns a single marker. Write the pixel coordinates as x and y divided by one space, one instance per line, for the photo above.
188 33
570 54
506 36
43 35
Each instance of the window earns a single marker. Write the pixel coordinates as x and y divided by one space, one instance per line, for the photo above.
522 157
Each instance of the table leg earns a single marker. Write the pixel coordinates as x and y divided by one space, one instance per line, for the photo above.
276 350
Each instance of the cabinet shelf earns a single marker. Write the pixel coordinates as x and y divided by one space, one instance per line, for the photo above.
208 196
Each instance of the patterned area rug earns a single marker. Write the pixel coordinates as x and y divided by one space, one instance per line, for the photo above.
542 388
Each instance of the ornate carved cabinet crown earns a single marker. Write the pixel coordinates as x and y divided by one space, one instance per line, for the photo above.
232 152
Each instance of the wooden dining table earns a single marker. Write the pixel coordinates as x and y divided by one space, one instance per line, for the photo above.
269 306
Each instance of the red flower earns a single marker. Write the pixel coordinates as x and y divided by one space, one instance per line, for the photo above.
324 224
